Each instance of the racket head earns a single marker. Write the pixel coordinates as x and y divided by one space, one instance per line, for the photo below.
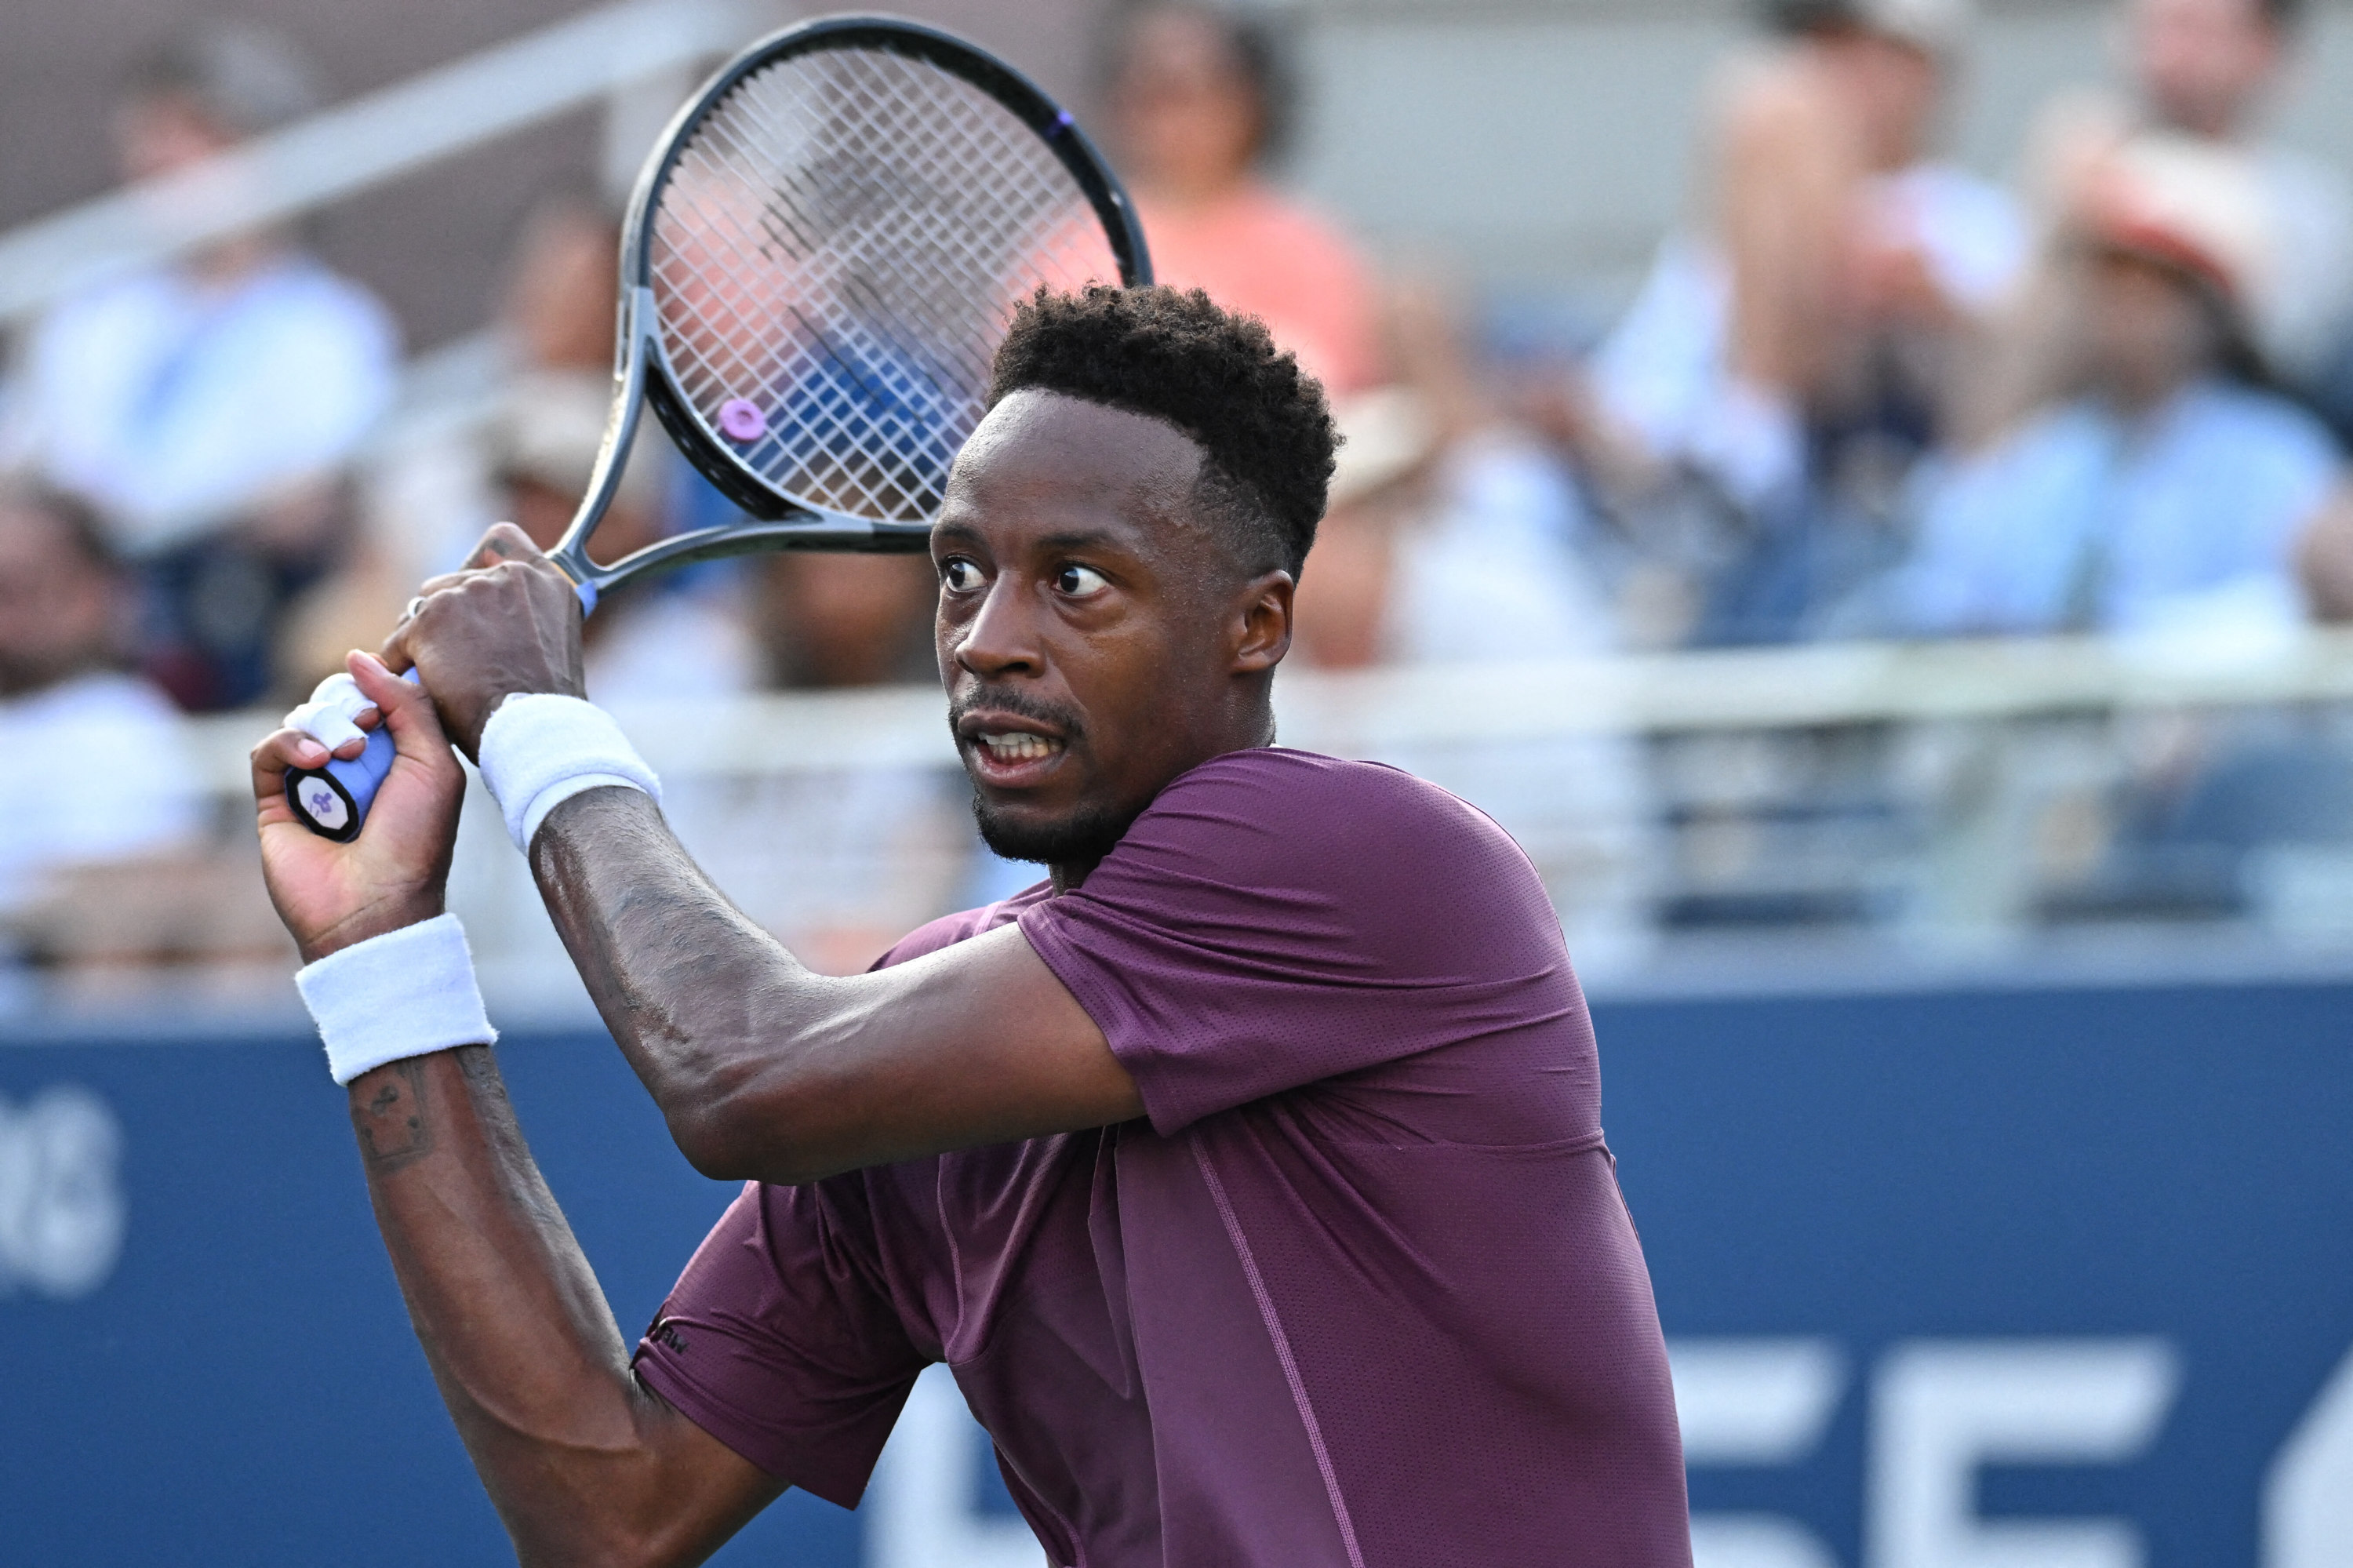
821 258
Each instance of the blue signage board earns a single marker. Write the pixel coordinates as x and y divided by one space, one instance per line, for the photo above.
2061 1279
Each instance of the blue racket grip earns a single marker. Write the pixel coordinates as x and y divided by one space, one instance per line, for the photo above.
333 801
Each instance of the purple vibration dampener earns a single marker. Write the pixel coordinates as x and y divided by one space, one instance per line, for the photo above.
741 421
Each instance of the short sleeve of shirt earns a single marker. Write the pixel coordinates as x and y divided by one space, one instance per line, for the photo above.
1275 918
779 1340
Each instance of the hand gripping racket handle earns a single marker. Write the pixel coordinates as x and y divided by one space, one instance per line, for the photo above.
333 801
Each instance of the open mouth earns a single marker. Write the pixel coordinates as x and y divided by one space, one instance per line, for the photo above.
1015 746
1005 757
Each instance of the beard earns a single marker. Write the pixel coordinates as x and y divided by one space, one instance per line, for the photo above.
1082 838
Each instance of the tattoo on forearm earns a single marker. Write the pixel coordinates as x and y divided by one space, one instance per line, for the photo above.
391 1118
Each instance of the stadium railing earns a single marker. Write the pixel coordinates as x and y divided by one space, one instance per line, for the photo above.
1854 806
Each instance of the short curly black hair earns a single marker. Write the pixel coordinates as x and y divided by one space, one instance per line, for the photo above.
1263 423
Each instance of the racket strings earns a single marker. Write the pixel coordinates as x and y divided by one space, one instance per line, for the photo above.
830 433
835 259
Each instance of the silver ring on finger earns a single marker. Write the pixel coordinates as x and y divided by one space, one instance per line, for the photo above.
415 605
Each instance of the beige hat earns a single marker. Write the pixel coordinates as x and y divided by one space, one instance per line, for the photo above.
548 429
1384 435
2189 202
1936 27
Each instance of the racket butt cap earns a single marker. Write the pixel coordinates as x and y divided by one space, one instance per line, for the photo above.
333 801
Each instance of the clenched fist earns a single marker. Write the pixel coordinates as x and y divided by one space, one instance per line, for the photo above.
509 622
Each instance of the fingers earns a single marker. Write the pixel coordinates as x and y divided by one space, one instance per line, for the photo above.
336 717
280 752
408 712
403 702
504 542
283 750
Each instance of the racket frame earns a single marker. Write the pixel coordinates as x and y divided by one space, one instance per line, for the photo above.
642 372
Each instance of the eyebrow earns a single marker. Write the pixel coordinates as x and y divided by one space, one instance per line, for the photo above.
1079 539
1071 539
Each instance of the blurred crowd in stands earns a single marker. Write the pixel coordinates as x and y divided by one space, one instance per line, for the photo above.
1862 393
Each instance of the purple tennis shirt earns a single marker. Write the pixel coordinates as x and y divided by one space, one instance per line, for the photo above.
1359 1291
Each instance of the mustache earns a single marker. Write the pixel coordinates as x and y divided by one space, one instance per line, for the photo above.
1019 703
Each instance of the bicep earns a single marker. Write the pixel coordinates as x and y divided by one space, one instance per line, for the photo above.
977 1043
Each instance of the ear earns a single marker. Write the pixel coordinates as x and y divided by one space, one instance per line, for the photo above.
1262 624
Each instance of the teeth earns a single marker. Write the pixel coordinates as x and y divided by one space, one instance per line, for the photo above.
1017 748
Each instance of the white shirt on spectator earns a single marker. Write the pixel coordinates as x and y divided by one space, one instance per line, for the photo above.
1662 373
172 406
94 769
1489 577
2301 304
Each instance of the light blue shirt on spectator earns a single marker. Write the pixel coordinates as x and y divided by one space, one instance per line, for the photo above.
2085 521
172 406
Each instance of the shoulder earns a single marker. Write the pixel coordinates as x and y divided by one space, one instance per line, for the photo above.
1274 791
102 700
306 296
1352 837
130 303
962 926
2059 439
2263 429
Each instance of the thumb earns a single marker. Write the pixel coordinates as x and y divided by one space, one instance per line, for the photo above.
406 706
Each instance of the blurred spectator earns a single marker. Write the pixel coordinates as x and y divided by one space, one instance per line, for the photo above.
1435 553
2206 70
1794 350
1450 533
1446 542
2168 489
529 460
93 766
1199 102
837 861
678 635
207 409
827 621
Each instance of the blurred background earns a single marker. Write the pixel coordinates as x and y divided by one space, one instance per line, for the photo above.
1857 487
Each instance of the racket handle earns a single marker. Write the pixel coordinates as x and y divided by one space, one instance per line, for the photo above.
333 801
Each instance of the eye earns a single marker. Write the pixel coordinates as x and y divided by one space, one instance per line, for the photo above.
959 575
1078 582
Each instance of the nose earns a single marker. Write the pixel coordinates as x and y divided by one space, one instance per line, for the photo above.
1001 640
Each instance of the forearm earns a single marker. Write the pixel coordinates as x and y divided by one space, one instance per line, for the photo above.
767 1071
522 1343
708 1008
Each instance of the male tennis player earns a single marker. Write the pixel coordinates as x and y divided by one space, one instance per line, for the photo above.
1247 1172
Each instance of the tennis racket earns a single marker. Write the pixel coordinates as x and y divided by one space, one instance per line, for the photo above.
821 256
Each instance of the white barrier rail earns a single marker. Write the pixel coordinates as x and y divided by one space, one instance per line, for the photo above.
1375 711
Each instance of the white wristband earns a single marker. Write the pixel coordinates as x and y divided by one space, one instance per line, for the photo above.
406 993
539 750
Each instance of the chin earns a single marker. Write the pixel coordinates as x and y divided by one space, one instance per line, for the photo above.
1084 833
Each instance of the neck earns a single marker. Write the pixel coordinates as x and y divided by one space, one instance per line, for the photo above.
30 677
1258 730
231 261
2138 396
